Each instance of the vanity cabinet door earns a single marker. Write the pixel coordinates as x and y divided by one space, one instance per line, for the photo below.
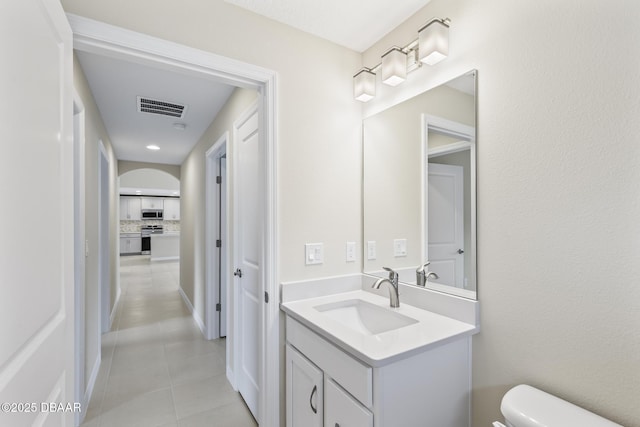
304 391
342 410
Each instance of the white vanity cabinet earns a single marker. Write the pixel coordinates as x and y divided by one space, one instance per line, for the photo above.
428 388
304 391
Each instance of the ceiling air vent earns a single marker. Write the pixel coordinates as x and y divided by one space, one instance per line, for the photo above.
164 108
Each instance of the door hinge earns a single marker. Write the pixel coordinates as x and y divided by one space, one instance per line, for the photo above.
218 180
218 307
218 243
266 297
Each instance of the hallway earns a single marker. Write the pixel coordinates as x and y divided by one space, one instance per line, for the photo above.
157 369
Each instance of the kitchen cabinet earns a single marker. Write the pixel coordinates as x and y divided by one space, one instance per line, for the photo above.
429 388
152 202
130 208
171 209
130 243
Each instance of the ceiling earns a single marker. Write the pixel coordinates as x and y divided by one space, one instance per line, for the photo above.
356 24
116 84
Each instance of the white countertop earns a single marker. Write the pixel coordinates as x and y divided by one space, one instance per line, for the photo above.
169 234
377 350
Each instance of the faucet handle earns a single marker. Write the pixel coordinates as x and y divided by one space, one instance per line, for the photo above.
421 268
393 276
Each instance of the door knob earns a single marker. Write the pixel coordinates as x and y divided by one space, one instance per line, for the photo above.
238 273
460 251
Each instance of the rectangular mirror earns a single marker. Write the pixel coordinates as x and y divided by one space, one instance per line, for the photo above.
419 189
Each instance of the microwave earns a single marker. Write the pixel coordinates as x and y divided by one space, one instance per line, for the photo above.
152 214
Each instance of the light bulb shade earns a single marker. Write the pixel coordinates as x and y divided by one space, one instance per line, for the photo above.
433 40
364 85
394 66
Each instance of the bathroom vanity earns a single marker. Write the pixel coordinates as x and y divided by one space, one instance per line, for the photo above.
351 360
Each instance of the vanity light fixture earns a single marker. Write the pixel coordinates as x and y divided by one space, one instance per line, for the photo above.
433 39
394 66
364 85
431 47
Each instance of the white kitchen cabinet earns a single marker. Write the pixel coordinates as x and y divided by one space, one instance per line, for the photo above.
152 202
130 208
171 209
304 391
428 388
130 243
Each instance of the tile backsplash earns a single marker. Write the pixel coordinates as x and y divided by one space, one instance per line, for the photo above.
134 226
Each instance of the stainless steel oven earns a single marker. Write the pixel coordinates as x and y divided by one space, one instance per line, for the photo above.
145 232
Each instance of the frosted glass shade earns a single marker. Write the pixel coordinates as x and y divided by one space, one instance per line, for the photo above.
364 85
394 67
433 40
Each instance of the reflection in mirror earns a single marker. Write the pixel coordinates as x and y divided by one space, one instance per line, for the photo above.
419 189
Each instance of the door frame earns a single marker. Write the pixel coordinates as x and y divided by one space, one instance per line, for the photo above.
467 136
82 394
212 219
104 39
104 267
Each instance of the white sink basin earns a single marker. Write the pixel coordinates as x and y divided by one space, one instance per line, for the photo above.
364 317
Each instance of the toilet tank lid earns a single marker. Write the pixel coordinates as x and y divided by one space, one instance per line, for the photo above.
526 406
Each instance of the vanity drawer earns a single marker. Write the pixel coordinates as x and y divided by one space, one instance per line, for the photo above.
342 410
351 374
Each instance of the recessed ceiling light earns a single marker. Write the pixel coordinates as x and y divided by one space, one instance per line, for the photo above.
179 126
152 147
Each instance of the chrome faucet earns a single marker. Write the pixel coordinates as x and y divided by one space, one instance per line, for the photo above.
392 284
422 276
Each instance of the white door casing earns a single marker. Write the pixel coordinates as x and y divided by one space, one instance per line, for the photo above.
36 168
445 210
224 252
466 142
215 267
99 38
104 273
247 226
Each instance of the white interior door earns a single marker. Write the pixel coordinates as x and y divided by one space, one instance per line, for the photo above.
247 253
36 171
446 223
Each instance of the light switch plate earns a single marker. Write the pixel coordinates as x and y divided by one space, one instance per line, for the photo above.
371 250
351 252
400 247
313 253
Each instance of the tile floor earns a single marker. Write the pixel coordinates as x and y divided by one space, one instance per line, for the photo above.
157 369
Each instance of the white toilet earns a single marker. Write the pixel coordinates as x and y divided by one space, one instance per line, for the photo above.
525 406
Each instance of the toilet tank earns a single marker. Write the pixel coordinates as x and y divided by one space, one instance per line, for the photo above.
525 406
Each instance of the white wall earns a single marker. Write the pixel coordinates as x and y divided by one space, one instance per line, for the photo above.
558 199
318 120
149 178
94 132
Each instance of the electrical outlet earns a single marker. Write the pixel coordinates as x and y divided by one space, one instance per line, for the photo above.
314 253
351 252
400 247
371 250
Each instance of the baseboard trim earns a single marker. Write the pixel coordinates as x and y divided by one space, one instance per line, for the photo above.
196 317
114 311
